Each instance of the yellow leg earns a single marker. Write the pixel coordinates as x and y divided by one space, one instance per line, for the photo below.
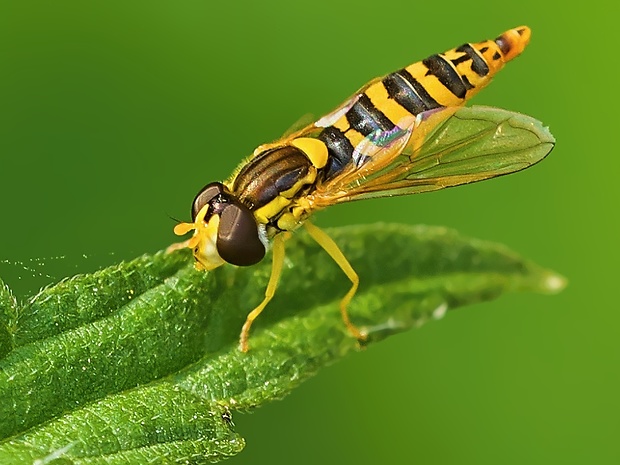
332 249
191 243
276 271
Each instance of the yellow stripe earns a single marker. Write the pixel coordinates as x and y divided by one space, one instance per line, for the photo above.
354 137
464 69
379 97
342 124
452 54
265 213
432 85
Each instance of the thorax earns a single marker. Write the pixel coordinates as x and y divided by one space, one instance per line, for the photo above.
274 184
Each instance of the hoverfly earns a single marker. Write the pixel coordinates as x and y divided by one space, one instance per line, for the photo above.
404 133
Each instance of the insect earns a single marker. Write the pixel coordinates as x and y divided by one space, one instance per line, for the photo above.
403 133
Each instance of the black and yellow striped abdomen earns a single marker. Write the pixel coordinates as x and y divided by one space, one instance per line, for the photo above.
274 181
442 80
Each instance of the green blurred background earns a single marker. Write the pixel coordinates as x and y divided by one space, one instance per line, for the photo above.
113 114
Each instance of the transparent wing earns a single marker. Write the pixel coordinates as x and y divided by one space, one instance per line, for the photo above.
441 148
303 122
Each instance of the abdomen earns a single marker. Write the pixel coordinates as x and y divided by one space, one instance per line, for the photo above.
272 182
441 80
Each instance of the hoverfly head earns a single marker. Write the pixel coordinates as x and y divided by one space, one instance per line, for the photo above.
224 230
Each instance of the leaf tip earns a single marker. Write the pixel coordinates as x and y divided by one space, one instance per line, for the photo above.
553 283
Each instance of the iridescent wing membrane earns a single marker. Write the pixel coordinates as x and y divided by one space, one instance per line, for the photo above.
439 149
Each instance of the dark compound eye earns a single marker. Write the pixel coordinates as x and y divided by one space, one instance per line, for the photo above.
208 193
237 237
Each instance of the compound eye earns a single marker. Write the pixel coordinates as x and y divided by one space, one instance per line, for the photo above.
207 193
237 237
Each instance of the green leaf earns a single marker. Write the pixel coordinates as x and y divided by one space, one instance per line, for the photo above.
8 319
139 362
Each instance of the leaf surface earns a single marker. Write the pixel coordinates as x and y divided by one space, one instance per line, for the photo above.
139 362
